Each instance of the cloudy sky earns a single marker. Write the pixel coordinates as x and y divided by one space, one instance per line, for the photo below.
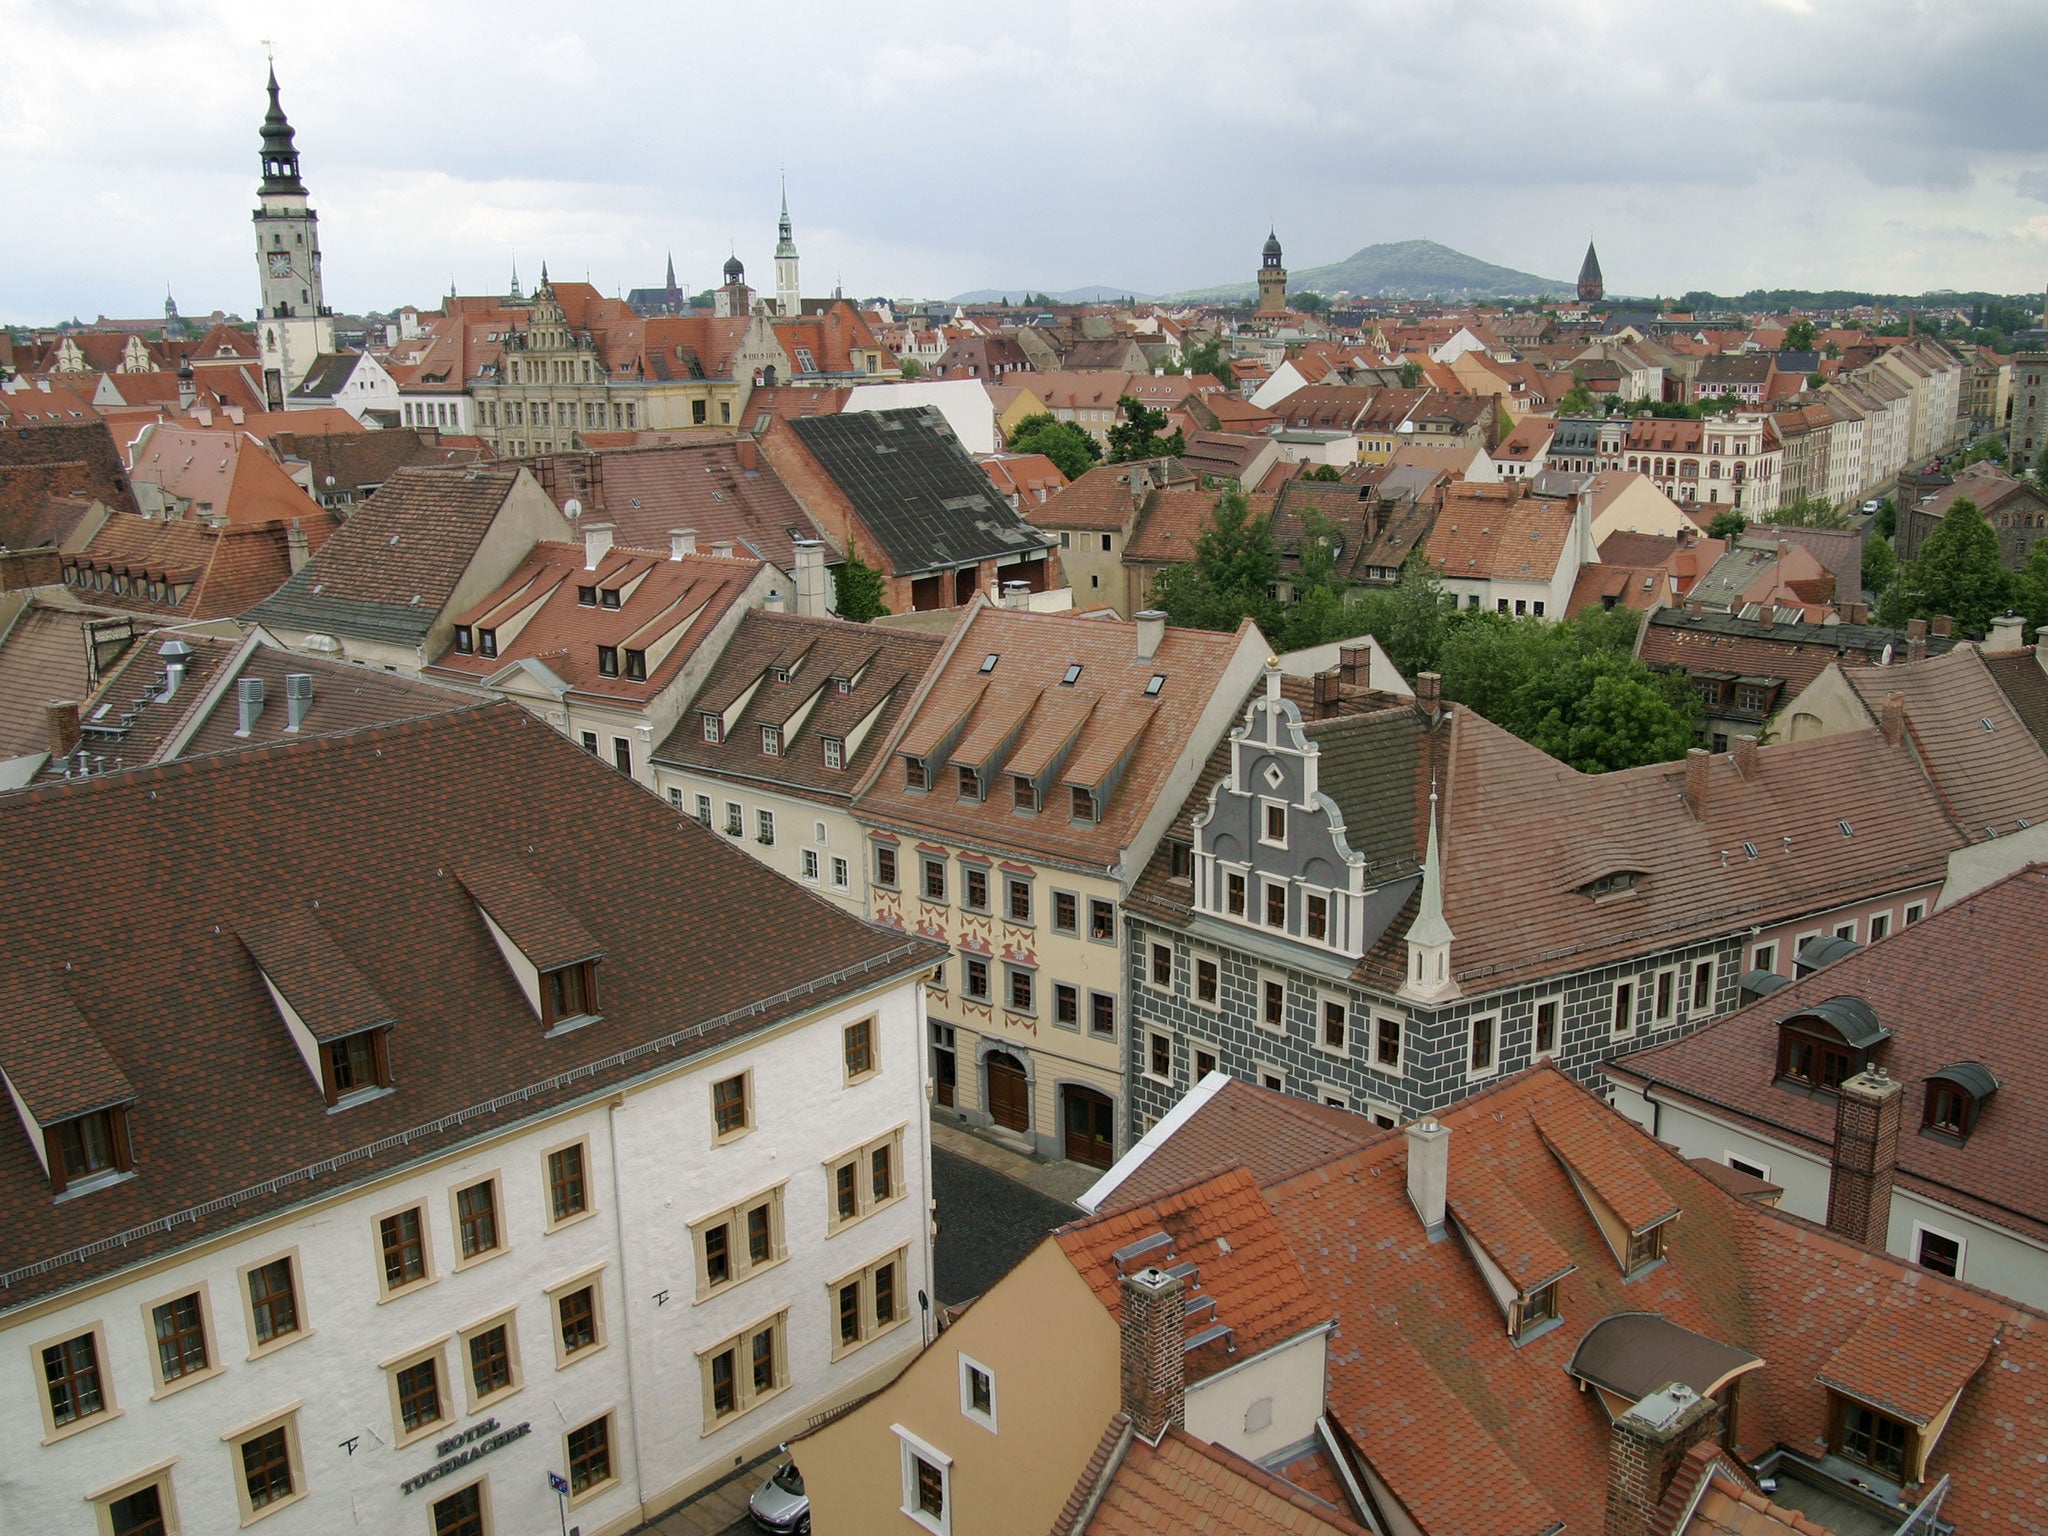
934 146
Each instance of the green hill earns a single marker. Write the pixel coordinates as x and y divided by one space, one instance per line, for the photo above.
1405 269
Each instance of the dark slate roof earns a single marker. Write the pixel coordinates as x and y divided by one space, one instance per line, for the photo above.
702 946
2023 681
927 503
1367 765
387 572
325 378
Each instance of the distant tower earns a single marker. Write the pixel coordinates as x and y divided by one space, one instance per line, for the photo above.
1272 279
1591 289
672 294
735 300
788 297
174 323
295 325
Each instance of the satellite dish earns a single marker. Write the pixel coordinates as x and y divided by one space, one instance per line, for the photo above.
572 508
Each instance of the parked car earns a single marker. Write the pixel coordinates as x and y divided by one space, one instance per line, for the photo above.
780 1504
1873 506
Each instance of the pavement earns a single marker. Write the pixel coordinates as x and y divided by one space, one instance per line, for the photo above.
720 1510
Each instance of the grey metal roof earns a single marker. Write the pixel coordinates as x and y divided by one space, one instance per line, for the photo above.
1762 983
928 504
1824 949
295 605
1850 1017
1632 1354
1973 1077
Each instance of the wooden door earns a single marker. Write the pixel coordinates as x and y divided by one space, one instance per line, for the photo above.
943 1076
1091 1133
1009 1094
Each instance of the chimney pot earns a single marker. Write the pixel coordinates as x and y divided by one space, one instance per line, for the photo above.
1152 1351
2006 632
1645 1449
1429 692
1944 626
1151 630
1329 688
1698 763
722 548
681 542
249 701
1429 1171
597 543
298 698
1892 718
1865 1157
61 718
813 591
1916 629
1354 664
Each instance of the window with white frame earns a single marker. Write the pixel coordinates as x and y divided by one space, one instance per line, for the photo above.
1702 997
927 1483
978 1393
1938 1250
1483 1055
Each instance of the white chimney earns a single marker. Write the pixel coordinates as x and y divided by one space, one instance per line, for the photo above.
298 698
681 542
722 548
1151 630
1017 594
1429 1171
2005 634
813 591
597 543
773 601
250 704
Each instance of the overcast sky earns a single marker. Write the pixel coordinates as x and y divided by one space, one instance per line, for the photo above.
935 146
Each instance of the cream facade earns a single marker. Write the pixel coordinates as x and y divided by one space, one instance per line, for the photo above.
351 1362
819 846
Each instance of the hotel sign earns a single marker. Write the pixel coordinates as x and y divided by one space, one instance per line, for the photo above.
458 1451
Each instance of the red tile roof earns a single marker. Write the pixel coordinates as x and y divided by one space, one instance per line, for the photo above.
1182 1486
1500 532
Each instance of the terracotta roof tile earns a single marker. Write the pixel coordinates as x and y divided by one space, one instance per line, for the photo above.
1182 1485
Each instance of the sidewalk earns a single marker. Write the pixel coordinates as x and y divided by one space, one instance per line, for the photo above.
1065 1182
717 1508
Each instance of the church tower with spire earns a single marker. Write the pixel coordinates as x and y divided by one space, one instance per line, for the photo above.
1272 278
1591 289
294 323
788 296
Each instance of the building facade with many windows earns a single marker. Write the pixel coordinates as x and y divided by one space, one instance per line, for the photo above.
566 1170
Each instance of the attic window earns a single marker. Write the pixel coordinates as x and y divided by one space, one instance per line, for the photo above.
1072 677
1847 830
988 662
487 642
914 776
1084 804
462 641
1611 884
970 782
714 727
1750 849
781 674
607 661
609 597
842 685
771 741
1985 721
91 1147
1023 792
1158 682
636 666
355 1064
587 596
1955 1098
568 993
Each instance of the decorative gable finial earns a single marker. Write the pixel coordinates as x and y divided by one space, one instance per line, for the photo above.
1429 937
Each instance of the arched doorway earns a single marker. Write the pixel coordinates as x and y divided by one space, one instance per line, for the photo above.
1009 1091
1091 1126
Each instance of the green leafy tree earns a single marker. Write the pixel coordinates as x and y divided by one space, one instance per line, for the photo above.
1958 574
1066 443
1210 358
1799 336
1578 400
1810 512
2030 589
1815 379
1621 721
1234 568
1326 473
1141 434
1727 525
2041 466
1886 522
1309 302
857 589
1880 564
910 367
1410 374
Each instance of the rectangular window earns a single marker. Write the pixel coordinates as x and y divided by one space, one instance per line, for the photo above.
1102 921
590 1455
576 1320
927 1485
1624 1018
567 993
636 666
493 1367
1915 912
864 1180
1022 984
1938 1251
835 751
704 810
1387 1043
1084 804
1482 1055
744 1370
1276 904
71 1380
1233 886
476 1219
1159 1056
1017 895
419 1393
1276 823
1873 1439
1066 908
868 1303
1880 925
1205 1063
1765 958
267 1472
89 1146
934 879
810 864
1702 987
1333 1023
857 1042
978 1393
969 781
1066 1006
885 866
1102 1015
914 776
733 1243
731 1111
974 887
273 1301
1546 1025
1162 965
1206 986
567 1191
401 1237
1023 793
974 971
1273 1003
714 728
840 872
607 661
1317 919
179 1327
355 1064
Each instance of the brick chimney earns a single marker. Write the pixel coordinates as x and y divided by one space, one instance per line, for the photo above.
1916 640
1429 692
1354 663
1866 1157
1766 613
1745 757
1892 718
1429 1171
21 569
1329 689
1698 764
1153 1351
1944 626
1645 1449
61 716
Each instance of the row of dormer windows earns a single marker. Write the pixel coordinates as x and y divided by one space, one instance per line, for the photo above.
1025 795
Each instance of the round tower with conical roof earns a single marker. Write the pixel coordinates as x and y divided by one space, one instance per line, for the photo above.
1272 278
294 326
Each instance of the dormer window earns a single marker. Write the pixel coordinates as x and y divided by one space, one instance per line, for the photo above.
1084 804
771 741
1825 1045
568 993
355 1064
970 782
587 596
608 597
914 776
607 661
1644 1249
636 666
90 1147
1535 1311
1611 884
1023 792
462 640
1073 676
1955 1098
842 685
835 751
714 729
487 642
780 674
548 951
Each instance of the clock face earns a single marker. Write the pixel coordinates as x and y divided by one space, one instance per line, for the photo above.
280 264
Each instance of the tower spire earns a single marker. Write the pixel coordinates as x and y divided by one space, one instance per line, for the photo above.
1429 937
280 155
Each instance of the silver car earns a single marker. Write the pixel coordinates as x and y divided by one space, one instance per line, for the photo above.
779 1505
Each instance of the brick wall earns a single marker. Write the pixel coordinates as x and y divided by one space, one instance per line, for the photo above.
1866 1156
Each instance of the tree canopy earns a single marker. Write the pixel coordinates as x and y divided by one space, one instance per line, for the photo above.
1066 443
1880 564
1308 301
910 368
1141 434
1958 574
857 590
1727 525
1228 580
1326 473
1210 358
1810 512
1799 336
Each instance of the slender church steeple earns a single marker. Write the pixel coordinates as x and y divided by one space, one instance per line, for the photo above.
1591 288
788 295
296 324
